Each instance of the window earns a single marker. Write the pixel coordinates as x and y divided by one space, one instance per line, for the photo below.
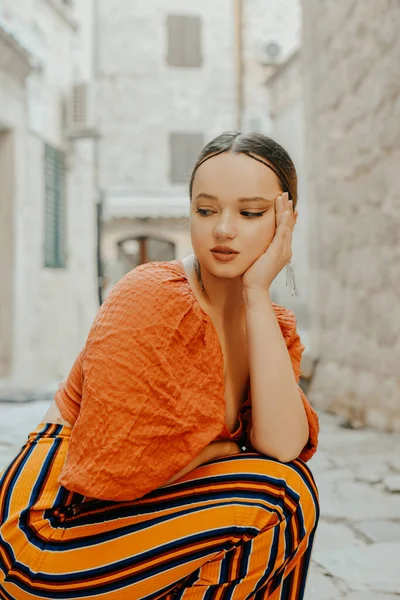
184 41
184 149
54 229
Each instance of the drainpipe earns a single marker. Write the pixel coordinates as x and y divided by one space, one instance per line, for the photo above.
239 66
96 151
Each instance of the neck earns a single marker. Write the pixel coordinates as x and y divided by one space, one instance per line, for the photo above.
222 296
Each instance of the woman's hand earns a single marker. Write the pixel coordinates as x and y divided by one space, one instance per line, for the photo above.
264 270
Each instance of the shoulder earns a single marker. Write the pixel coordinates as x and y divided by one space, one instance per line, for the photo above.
151 294
148 284
147 278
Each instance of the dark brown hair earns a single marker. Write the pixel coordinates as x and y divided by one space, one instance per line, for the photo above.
257 146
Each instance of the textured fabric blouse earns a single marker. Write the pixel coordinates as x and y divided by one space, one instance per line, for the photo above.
146 393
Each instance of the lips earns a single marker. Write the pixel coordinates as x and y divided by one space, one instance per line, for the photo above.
224 255
224 250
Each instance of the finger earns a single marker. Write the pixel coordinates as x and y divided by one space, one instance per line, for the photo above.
287 205
278 209
286 221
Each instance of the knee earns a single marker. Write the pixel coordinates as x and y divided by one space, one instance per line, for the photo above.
286 489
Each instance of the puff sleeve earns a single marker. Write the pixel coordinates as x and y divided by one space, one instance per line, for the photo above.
148 404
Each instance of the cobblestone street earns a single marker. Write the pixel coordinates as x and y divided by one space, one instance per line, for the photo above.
357 551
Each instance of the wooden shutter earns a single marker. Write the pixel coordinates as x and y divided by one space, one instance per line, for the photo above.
184 41
184 150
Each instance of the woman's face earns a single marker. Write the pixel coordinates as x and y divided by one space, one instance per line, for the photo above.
233 205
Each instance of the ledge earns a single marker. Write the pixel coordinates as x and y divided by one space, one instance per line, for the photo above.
13 57
64 13
130 204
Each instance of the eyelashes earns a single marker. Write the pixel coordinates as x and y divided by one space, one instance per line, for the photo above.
248 215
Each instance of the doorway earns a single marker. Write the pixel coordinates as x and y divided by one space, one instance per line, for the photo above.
6 249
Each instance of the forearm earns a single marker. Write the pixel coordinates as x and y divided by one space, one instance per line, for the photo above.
210 452
280 426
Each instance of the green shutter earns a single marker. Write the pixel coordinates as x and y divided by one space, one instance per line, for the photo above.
55 223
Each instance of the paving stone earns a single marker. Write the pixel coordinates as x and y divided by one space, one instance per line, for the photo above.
321 462
320 586
392 483
379 530
370 596
325 477
394 462
357 501
332 536
370 568
372 473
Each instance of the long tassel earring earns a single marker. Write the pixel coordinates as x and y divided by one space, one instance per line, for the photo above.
290 279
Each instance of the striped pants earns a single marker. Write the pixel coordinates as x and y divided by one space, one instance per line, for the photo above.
236 528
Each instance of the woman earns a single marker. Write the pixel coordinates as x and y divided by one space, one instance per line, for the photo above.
157 472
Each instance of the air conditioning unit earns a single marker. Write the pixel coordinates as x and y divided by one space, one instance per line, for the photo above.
80 121
270 53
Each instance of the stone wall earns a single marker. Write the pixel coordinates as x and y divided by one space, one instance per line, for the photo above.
352 94
287 127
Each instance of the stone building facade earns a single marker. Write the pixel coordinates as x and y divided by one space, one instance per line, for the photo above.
285 92
172 75
48 220
351 53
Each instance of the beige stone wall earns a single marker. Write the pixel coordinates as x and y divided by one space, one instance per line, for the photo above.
287 128
352 94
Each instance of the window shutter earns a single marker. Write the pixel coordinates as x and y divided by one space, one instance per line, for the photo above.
184 150
192 42
55 222
184 41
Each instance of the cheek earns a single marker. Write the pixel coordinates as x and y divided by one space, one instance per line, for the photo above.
262 238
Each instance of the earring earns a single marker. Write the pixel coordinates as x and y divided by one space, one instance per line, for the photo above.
290 279
198 273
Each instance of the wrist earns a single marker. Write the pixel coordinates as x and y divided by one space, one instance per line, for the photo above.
255 294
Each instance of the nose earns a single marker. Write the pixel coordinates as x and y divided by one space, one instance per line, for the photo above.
225 227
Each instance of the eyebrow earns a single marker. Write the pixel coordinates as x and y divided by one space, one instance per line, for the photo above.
240 200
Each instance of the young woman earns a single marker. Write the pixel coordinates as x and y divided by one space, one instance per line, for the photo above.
171 463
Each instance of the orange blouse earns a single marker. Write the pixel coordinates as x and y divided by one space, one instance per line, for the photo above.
146 393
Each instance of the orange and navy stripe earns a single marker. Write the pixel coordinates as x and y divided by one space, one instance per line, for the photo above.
57 544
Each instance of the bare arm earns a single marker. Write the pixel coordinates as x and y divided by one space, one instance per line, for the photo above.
280 426
211 452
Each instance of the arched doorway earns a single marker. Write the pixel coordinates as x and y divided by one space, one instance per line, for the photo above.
137 250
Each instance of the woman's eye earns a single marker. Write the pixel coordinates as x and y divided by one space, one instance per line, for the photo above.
251 214
203 211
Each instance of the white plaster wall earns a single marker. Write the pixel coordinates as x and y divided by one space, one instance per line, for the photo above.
53 308
141 99
263 22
